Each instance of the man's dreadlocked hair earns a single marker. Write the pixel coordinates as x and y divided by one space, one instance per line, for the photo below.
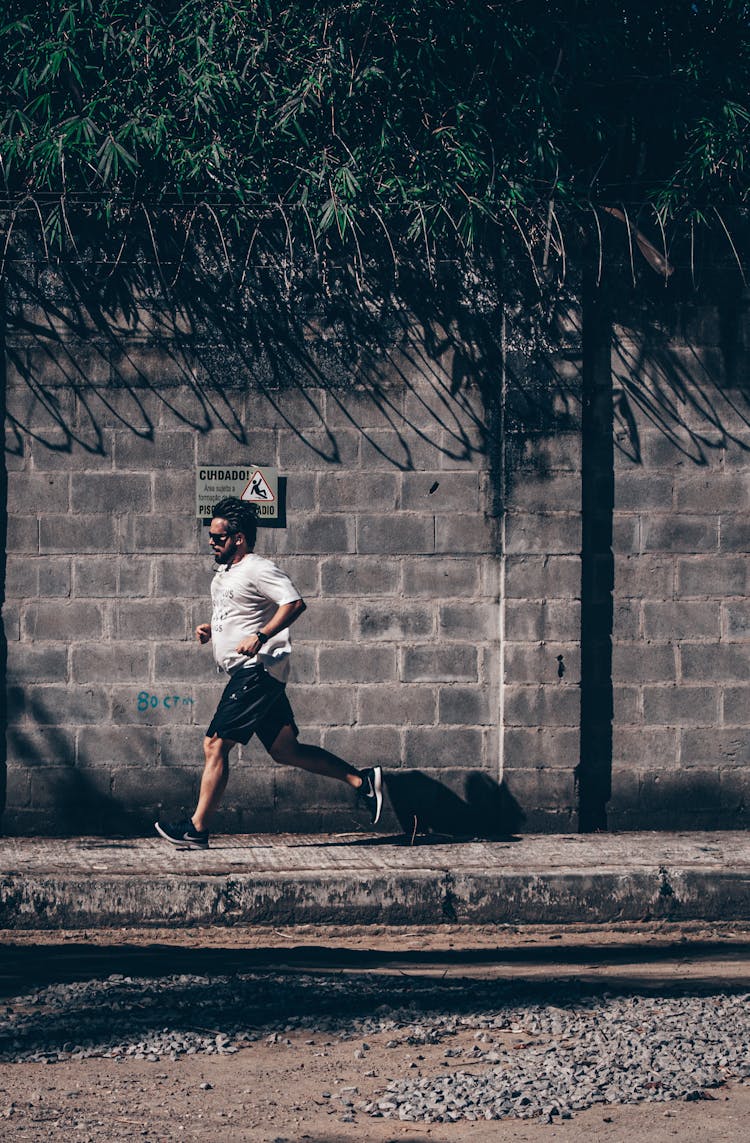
240 516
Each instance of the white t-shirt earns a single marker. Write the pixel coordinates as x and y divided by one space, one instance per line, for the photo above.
244 597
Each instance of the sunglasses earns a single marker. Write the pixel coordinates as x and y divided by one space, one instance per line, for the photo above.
218 537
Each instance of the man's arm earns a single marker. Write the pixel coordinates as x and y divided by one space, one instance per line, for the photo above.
203 632
284 616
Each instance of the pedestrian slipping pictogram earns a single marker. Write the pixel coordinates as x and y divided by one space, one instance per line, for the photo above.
258 490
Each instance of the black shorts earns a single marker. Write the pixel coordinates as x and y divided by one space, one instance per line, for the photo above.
253 702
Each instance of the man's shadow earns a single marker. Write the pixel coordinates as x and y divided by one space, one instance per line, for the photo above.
431 813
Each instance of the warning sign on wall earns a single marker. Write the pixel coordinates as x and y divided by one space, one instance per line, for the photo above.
258 485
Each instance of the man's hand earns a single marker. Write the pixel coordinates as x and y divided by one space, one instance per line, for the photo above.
249 646
203 632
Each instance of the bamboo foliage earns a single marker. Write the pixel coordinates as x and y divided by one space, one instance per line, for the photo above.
432 122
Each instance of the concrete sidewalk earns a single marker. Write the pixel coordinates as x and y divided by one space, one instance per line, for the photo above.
358 879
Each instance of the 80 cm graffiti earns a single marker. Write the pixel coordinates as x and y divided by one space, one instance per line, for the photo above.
147 701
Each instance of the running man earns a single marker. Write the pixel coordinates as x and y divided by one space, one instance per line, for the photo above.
254 604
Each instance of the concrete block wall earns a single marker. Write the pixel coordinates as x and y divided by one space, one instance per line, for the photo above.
681 649
390 537
540 715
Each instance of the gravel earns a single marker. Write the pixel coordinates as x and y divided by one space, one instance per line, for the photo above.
543 1052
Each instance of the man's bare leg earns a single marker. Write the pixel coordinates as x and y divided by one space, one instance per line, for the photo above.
214 778
289 752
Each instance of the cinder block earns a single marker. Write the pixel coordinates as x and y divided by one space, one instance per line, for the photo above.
461 533
472 622
110 663
167 449
325 620
402 621
628 705
644 577
681 620
735 533
650 748
542 662
134 577
181 748
542 577
370 408
542 532
541 789
467 706
317 534
659 450
26 578
42 664
17 789
58 705
304 450
68 620
736 706
23 535
680 533
11 613
151 786
150 619
641 491
304 664
322 705
58 450
436 492
170 535
365 745
183 661
111 492
95 577
681 797
38 493
181 576
643 662
435 747
708 662
397 705
680 706
242 445
76 534
713 576
712 747
441 577
390 449
304 572
41 746
626 790
441 664
718 492
541 747
396 534
53 577
116 746
347 664
558 492
359 575
734 792
551 705
533 621
737 621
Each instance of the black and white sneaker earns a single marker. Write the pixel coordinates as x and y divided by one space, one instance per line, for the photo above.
370 793
183 834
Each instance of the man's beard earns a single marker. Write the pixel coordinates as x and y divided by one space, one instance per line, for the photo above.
224 557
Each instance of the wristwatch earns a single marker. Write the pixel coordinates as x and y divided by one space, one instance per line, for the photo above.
262 637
